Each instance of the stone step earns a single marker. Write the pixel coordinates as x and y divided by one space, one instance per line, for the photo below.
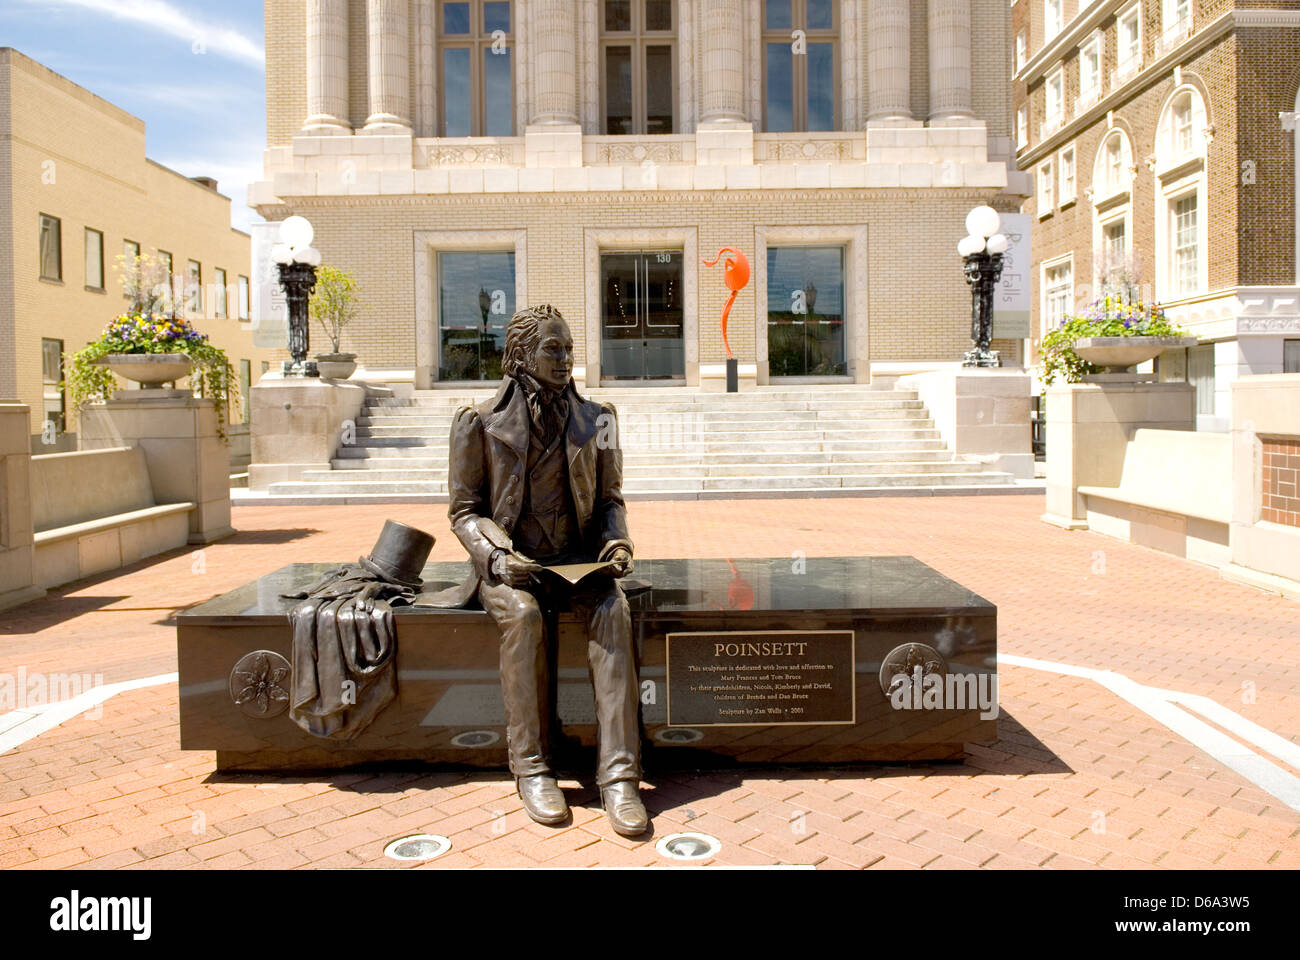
442 421
703 431
389 447
649 485
819 407
404 471
622 398
354 458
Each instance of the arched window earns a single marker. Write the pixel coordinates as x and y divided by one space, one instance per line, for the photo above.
1181 212
1112 219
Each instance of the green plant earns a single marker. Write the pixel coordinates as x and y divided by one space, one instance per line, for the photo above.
89 379
334 303
1110 316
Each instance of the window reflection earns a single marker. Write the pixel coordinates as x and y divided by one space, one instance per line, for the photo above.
805 311
476 299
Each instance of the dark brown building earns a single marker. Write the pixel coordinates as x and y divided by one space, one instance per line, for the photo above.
1161 138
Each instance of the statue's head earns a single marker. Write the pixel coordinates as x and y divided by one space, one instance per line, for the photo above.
538 342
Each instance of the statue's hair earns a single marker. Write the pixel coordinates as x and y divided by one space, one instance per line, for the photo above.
524 335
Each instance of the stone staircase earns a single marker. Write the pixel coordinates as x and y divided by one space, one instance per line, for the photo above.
679 443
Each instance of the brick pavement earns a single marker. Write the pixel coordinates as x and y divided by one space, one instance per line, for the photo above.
1078 778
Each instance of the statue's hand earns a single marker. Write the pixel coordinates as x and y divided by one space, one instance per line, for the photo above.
622 557
515 569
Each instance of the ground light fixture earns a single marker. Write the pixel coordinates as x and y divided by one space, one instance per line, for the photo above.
981 251
420 846
689 846
297 261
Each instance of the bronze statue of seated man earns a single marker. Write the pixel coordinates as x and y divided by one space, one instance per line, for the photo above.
535 478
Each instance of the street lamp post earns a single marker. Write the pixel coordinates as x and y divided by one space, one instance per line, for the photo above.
297 260
981 251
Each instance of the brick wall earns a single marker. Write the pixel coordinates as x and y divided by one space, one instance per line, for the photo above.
1281 493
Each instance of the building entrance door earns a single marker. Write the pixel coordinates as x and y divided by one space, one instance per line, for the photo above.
641 316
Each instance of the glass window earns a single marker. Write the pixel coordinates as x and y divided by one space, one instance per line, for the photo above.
94 259
130 253
637 40
1058 294
800 65
1291 356
52 382
194 289
1022 127
51 248
1046 201
1053 90
805 311
1183 128
476 79
1022 49
476 299
243 298
1200 373
219 293
1067 174
1051 19
1186 248
1130 37
1114 242
1090 69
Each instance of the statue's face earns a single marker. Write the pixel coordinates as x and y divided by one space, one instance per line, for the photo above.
553 362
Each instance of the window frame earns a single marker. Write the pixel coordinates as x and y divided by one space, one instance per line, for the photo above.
477 41
221 295
245 290
1131 13
1053 17
46 383
1064 195
639 38
1053 121
1050 289
1045 192
101 287
1091 49
1021 52
799 78
194 288
1022 126
57 223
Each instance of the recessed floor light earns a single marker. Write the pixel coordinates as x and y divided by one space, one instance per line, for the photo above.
421 846
689 846
475 738
679 735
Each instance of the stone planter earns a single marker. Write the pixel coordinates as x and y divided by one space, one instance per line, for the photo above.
1117 354
150 370
336 366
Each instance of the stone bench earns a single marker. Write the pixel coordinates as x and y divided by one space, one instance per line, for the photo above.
1174 494
827 705
94 510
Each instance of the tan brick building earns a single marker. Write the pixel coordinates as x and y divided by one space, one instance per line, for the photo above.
1161 134
76 191
465 158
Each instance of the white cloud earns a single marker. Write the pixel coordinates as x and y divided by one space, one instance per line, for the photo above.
169 18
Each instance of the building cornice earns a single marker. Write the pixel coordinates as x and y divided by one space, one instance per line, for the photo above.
1068 39
1157 71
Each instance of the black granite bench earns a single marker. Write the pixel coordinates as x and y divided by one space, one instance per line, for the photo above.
756 661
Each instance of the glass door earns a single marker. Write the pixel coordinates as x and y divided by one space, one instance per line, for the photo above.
641 327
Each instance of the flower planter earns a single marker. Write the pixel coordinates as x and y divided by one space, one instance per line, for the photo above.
336 366
150 370
1117 354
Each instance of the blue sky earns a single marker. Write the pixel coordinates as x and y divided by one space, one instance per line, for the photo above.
193 71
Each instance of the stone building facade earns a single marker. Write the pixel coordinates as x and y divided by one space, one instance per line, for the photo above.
1162 139
464 157
77 191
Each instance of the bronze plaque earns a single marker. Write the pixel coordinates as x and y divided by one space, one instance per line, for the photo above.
760 678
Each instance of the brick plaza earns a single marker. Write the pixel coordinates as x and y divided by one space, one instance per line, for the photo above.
1079 778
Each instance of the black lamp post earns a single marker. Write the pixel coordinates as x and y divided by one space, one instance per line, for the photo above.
297 261
981 253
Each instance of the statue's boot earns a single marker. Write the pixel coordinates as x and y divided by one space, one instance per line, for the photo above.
543 799
622 801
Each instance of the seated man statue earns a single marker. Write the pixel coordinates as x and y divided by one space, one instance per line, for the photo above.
535 478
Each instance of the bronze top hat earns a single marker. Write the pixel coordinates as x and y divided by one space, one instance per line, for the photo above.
399 553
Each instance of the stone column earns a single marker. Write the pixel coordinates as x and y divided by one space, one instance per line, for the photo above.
553 47
889 32
950 70
722 77
327 67
388 33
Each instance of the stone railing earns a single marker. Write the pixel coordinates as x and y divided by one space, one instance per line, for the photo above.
605 150
836 147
